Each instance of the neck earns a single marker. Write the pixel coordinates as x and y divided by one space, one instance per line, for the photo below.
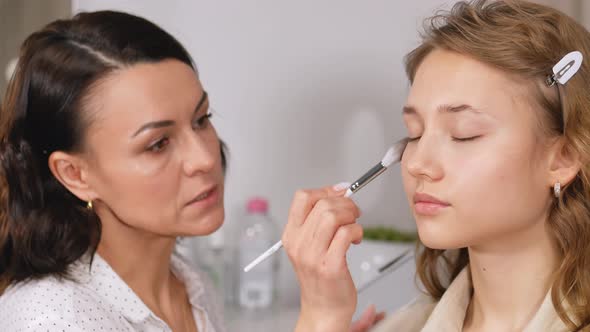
141 259
511 278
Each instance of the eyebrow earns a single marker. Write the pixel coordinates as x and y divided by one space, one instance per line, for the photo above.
166 123
445 108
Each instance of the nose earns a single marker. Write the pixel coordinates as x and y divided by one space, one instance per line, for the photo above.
201 153
421 159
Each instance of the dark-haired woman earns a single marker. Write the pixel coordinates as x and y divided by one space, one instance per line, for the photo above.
107 155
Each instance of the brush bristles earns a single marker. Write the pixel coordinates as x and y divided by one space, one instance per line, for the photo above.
394 153
389 157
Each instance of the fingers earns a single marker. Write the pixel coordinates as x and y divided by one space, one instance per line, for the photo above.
304 200
328 216
380 316
311 241
344 237
366 321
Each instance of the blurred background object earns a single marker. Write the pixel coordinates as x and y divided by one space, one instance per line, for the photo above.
18 19
305 94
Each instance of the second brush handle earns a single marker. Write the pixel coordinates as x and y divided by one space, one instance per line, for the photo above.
277 246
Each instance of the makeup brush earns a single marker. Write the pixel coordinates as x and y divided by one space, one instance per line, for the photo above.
392 155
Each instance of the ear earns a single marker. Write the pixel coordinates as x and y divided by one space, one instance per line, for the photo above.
564 163
72 172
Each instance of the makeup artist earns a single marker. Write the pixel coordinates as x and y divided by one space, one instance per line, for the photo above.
107 155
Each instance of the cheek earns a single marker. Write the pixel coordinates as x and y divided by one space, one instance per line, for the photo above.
498 191
141 176
137 190
497 175
409 182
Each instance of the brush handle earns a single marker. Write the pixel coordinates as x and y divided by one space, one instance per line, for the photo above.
264 255
367 177
277 246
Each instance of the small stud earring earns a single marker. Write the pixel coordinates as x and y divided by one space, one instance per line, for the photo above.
89 205
557 189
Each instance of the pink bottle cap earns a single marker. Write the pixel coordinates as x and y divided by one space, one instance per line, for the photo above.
257 205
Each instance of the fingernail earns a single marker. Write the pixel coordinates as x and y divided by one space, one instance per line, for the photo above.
370 311
341 186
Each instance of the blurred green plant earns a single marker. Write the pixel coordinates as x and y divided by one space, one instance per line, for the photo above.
389 234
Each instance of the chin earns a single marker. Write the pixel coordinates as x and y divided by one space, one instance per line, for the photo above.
440 237
205 225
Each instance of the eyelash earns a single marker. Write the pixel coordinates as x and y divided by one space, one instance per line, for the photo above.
203 121
455 139
160 145
465 139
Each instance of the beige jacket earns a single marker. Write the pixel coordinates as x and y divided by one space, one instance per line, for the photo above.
447 315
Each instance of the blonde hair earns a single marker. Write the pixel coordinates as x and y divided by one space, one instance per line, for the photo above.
526 40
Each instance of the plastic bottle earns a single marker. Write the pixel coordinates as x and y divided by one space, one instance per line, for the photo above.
257 288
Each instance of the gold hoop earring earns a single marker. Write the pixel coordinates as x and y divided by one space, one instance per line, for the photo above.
89 205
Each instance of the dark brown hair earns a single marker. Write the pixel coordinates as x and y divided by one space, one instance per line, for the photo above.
44 227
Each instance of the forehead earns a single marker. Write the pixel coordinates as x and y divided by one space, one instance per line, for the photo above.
163 82
144 92
446 77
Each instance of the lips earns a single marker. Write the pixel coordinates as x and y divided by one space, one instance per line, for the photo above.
425 198
203 195
428 205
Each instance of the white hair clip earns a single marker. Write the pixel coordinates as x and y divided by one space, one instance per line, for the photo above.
565 68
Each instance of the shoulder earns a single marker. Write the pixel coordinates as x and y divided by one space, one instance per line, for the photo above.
410 318
30 305
51 304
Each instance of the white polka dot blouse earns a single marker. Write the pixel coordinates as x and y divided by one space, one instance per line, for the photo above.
97 299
